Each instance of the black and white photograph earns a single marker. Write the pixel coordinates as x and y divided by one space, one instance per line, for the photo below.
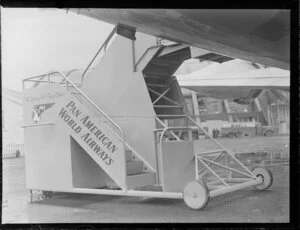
137 115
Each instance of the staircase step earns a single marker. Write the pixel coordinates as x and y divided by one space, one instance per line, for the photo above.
156 75
170 116
156 85
140 180
167 106
134 167
212 151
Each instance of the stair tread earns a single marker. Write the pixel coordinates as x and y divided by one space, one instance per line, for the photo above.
134 167
211 151
142 173
171 115
162 106
157 85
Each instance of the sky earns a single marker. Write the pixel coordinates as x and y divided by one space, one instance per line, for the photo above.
35 41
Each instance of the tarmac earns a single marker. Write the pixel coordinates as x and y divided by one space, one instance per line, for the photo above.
241 206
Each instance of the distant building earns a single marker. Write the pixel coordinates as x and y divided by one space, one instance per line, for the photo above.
12 121
268 109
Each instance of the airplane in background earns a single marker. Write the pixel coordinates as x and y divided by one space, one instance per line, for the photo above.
239 80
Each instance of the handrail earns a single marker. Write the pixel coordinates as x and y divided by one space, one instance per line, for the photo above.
35 125
102 46
144 54
207 133
99 110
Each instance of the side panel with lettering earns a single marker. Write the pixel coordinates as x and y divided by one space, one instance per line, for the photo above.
94 136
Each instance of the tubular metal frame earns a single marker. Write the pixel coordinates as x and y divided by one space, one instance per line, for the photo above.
215 190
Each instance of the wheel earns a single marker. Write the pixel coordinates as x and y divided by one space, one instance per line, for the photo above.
196 195
266 176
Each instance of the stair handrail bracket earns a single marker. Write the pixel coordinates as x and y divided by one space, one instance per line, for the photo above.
68 81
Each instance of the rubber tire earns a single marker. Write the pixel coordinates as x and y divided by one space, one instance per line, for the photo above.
267 178
196 195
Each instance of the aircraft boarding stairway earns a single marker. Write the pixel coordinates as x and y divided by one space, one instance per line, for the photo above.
107 133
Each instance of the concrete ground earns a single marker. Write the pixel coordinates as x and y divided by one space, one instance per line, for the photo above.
240 206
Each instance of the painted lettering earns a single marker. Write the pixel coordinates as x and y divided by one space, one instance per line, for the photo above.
92 144
89 124
109 161
101 137
71 103
62 113
88 140
67 117
105 138
105 157
97 149
113 148
78 129
85 136
84 119
93 129
71 122
97 133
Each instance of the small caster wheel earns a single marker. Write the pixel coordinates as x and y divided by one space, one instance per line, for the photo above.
47 194
196 195
266 176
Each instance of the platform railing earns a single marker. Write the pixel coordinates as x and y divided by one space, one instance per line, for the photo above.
198 155
69 82
249 177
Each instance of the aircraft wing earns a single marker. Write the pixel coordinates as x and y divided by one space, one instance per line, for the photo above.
259 36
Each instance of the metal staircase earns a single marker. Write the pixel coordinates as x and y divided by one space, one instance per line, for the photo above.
130 174
164 91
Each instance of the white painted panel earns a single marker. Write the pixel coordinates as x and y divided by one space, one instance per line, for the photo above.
123 94
47 148
142 43
47 158
86 172
178 165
